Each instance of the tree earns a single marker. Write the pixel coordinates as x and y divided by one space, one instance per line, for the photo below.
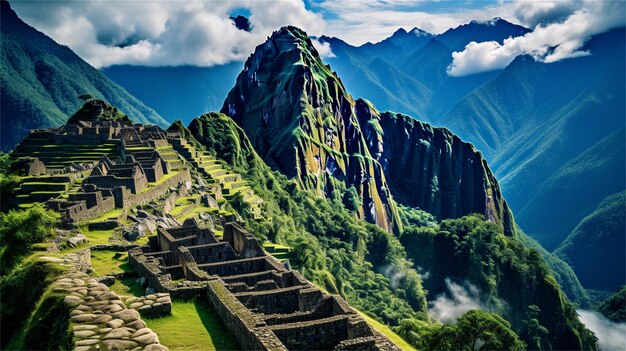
533 330
351 199
475 330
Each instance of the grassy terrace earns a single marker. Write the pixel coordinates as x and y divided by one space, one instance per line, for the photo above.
386 331
193 325
110 262
59 156
281 253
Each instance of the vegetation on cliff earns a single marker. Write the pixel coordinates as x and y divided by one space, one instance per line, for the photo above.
474 250
301 121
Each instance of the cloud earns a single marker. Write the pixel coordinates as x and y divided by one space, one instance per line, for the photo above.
163 33
446 308
532 13
549 42
611 335
359 22
323 48
394 274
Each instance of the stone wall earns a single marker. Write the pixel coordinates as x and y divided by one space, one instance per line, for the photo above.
78 211
323 334
267 306
240 321
244 243
153 305
158 190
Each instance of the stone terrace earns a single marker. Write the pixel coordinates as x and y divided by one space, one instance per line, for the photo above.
268 306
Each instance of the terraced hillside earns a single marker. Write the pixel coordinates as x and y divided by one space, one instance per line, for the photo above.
212 169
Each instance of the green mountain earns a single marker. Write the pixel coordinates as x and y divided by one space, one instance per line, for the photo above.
302 122
597 244
553 128
41 81
614 307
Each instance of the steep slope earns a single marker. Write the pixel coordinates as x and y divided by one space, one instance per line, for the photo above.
597 245
180 92
41 81
614 307
431 168
341 253
337 251
302 121
552 128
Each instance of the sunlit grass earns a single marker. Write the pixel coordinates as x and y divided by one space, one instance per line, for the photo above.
385 330
109 262
193 325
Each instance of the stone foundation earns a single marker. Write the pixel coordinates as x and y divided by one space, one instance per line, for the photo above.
153 305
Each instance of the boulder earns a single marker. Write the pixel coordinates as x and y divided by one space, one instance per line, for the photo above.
77 240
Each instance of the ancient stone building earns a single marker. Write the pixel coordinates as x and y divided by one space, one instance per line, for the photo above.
268 306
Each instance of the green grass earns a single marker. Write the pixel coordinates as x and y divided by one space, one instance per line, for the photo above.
97 237
109 262
193 325
178 210
127 286
386 331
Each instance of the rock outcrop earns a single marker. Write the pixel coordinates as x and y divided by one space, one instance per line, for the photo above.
433 169
302 121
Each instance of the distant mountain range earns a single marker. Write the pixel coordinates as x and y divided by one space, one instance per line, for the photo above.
41 81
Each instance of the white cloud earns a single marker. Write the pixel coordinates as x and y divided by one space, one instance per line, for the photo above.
611 335
323 48
163 33
359 22
446 308
549 42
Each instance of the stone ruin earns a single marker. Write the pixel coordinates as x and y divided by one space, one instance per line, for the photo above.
268 306
119 183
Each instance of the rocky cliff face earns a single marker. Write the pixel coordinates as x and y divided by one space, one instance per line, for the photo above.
302 121
431 168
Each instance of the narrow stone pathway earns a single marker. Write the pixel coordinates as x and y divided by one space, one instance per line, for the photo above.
100 320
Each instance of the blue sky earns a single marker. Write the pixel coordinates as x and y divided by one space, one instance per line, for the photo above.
177 32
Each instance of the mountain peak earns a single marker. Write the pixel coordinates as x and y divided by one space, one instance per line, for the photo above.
495 29
399 32
419 32
97 110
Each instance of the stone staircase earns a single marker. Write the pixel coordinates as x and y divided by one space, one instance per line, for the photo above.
212 169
